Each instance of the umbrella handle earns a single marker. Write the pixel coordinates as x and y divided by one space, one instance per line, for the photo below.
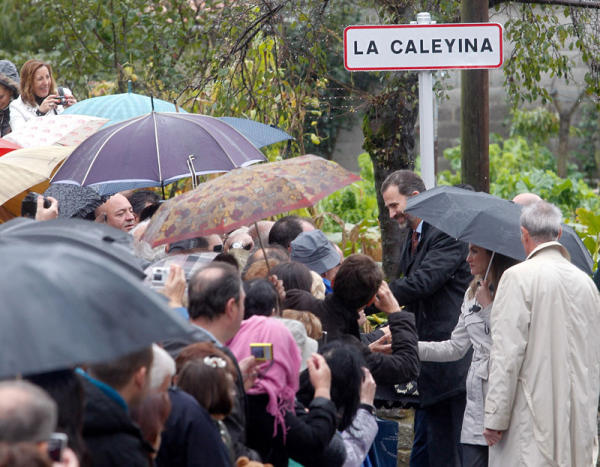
489 266
192 169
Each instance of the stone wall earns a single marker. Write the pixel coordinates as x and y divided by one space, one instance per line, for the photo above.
349 143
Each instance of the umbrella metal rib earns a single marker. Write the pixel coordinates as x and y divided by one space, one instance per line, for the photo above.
156 142
215 139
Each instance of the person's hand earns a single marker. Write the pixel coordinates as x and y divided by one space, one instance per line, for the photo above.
492 436
362 318
320 375
278 284
49 103
68 459
46 214
483 294
249 369
385 300
70 100
175 286
382 345
367 388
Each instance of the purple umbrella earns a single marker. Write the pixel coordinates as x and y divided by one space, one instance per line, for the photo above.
156 149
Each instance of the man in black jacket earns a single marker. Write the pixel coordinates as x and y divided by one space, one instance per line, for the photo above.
111 389
434 277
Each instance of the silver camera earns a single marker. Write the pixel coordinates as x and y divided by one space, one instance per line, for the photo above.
159 276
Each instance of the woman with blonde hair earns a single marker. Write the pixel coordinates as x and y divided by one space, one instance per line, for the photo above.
39 95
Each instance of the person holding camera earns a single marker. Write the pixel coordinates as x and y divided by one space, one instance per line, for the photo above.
39 95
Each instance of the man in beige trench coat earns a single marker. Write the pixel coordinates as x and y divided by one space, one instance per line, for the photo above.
544 378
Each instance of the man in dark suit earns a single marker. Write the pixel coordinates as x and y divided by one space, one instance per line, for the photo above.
434 277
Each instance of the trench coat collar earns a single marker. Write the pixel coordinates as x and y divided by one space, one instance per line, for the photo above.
554 245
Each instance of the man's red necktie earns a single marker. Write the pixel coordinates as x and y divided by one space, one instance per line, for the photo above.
414 241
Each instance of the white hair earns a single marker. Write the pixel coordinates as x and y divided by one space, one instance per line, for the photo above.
163 366
542 220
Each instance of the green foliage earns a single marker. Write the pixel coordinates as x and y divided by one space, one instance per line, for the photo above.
354 203
517 166
538 125
588 228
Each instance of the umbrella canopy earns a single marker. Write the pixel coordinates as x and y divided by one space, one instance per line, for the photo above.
66 130
157 149
246 195
258 133
61 306
88 236
74 200
23 168
485 220
7 146
118 107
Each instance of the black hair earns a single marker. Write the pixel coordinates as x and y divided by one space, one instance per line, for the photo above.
294 275
117 373
406 181
227 258
261 298
210 288
149 211
285 230
346 363
139 200
65 387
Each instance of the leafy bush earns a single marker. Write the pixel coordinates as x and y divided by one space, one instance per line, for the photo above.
517 166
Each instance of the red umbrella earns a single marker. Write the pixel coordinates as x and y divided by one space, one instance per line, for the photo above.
7 146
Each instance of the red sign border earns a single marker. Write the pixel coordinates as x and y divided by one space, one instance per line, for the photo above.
402 26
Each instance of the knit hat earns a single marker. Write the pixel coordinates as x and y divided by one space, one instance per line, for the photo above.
315 251
9 77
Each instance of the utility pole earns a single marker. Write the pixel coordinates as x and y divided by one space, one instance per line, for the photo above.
475 113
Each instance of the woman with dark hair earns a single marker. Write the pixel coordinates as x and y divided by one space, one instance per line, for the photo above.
294 275
261 298
65 387
39 95
473 330
353 392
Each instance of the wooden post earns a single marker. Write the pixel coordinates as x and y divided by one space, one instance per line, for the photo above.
475 118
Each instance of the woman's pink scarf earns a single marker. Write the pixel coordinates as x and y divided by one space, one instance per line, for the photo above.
280 380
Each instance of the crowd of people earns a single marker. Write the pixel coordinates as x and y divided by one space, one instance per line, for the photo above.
278 367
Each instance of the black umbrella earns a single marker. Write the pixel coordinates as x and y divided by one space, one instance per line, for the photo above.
74 200
63 306
88 236
487 221
482 219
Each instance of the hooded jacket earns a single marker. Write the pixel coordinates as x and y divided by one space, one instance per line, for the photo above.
9 78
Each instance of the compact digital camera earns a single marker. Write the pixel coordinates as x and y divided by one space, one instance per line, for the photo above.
159 276
262 351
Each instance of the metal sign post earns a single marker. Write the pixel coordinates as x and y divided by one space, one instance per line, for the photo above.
426 136
425 46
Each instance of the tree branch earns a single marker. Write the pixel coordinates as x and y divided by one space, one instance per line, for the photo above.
572 3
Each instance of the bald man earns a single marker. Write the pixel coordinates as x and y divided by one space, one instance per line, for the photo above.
116 212
525 199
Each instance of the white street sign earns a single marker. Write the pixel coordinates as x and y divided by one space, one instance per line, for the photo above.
423 47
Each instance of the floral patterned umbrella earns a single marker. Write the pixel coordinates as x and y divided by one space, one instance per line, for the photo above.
66 130
246 195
